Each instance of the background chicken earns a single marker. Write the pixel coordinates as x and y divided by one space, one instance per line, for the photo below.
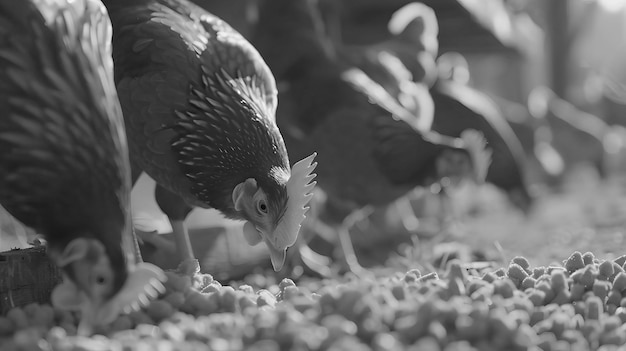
387 67
413 33
370 149
544 164
459 107
64 166
539 159
456 105
405 66
578 136
199 104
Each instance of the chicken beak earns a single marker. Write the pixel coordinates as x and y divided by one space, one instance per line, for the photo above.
277 256
254 235
87 322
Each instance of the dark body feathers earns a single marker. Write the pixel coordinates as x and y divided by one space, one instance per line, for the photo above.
64 169
459 107
199 101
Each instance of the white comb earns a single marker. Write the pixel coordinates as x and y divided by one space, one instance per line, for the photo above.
300 191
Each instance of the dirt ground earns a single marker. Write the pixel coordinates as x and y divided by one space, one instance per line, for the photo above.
586 215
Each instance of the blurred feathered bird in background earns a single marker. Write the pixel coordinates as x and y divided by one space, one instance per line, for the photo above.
199 105
405 66
64 168
371 150
413 29
578 136
459 106
538 157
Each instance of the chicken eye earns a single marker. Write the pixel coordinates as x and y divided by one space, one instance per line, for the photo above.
101 280
262 207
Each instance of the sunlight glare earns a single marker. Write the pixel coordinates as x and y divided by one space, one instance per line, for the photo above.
612 5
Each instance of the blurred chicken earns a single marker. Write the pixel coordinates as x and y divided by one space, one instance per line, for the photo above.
385 69
456 106
371 150
413 42
64 167
578 136
535 142
199 105
544 164
404 65
459 106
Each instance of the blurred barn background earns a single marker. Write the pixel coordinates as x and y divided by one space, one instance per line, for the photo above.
555 70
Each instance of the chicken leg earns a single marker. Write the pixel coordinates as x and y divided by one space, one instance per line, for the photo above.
319 264
408 218
311 261
444 214
316 263
345 242
177 210
135 173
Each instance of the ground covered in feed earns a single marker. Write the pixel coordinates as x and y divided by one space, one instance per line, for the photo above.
554 280
579 305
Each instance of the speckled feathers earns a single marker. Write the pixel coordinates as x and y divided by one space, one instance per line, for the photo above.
198 99
219 136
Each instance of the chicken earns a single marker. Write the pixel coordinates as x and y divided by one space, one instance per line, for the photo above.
404 65
459 107
578 136
388 71
199 105
544 164
413 41
370 149
64 168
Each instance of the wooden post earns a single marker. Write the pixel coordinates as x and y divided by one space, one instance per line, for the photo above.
26 276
